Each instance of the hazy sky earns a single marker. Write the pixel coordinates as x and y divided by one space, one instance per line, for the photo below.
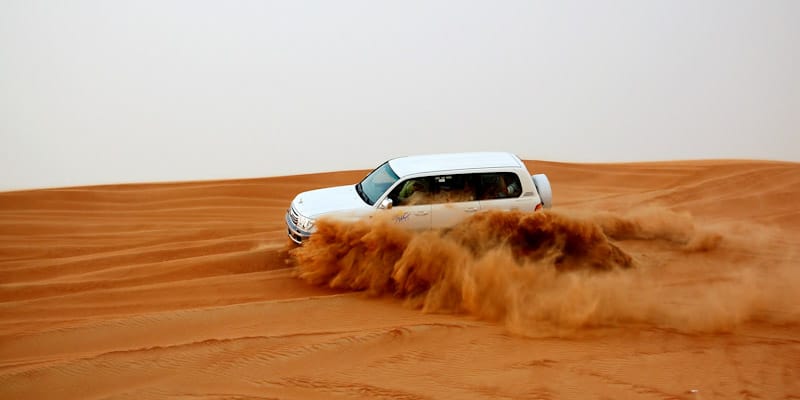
125 91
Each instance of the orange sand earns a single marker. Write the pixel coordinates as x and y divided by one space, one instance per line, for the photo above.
188 290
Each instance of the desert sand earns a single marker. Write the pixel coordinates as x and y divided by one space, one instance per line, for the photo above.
669 280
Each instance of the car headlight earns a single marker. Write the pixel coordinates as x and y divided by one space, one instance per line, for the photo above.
304 223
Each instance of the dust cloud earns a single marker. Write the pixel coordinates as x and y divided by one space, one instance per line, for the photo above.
555 273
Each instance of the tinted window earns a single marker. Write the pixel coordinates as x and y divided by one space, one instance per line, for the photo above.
412 192
453 188
499 185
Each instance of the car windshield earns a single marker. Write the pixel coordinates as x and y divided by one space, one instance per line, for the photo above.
376 183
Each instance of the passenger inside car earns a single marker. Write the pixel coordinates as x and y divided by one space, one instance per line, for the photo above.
413 192
499 186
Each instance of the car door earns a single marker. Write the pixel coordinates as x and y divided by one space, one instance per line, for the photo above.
453 200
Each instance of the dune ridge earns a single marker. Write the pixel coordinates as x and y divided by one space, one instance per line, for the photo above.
189 290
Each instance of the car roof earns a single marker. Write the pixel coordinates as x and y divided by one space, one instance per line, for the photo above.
410 165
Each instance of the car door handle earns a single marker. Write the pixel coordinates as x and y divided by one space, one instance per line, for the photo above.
420 213
471 209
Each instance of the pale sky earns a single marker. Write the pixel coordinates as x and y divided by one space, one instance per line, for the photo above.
137 91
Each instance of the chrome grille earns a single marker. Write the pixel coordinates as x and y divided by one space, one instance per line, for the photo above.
293 215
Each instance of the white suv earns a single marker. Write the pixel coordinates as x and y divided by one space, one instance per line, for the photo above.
426 191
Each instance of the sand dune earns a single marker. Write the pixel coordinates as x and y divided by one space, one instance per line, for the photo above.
684 284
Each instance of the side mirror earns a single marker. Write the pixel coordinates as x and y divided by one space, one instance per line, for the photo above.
386 204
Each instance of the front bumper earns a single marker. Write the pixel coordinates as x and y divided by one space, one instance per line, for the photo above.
295 233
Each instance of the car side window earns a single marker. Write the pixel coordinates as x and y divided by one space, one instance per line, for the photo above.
499 185
434 190
453 188
414 191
